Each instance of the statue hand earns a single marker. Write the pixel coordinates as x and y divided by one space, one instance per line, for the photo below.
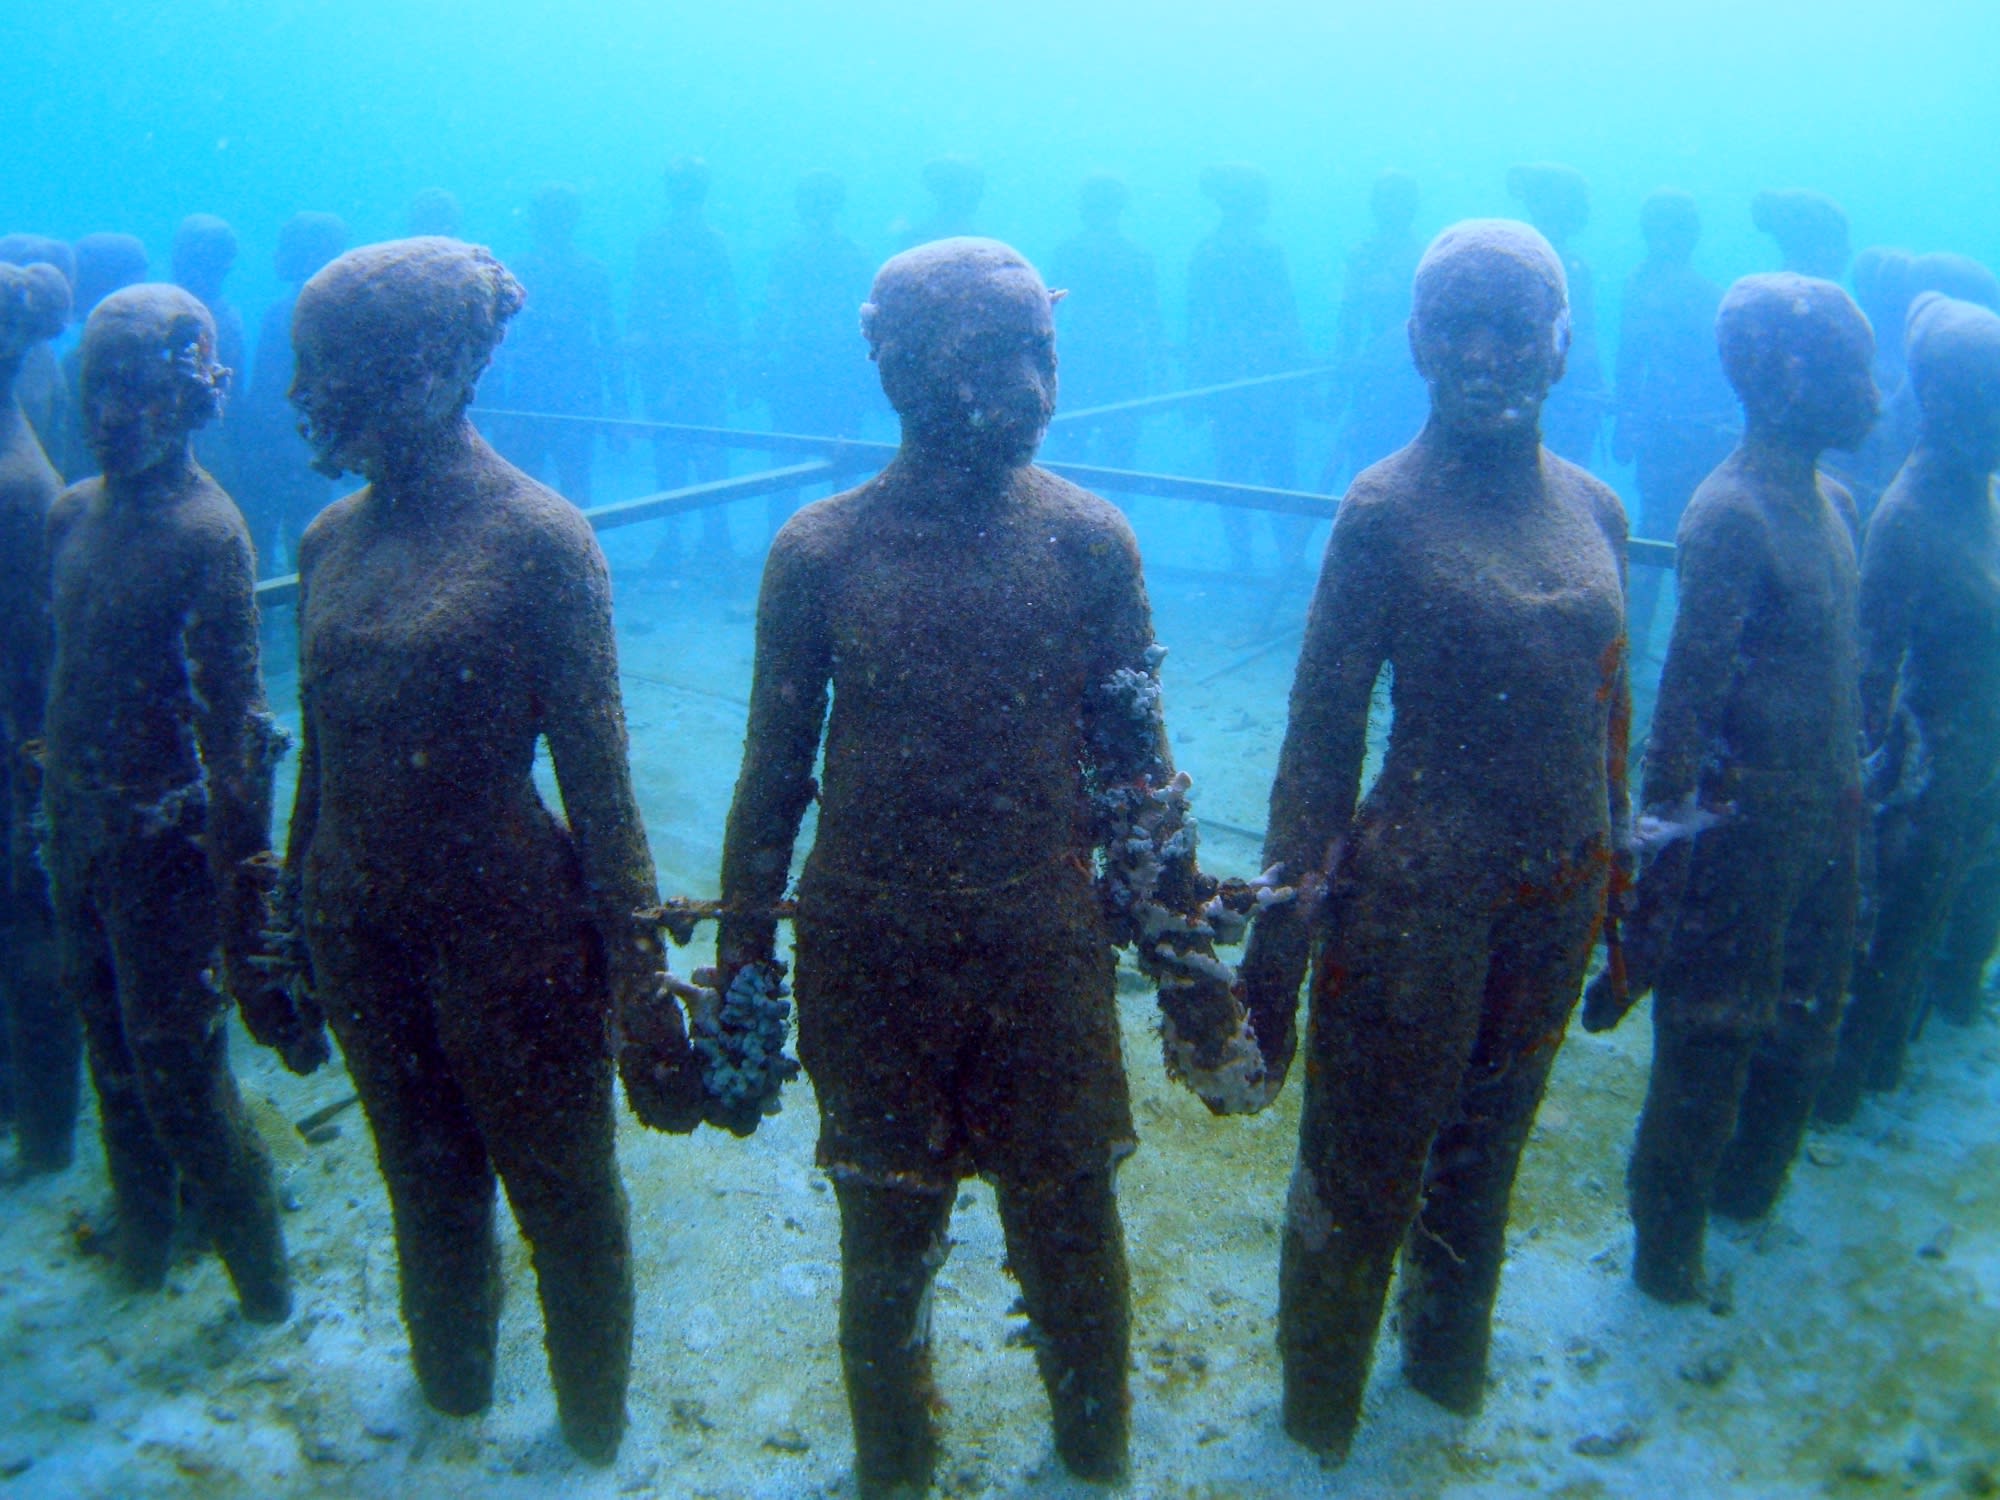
661 1074
278 1011
1607 998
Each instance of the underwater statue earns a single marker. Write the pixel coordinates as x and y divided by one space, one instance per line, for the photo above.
39 384
561 353
1243 321
683 340
104 263
984 632
806 368
204 253
1557 200
1112 340
474 955
1895 281
1955 985
1676 417
433 211
1384 399
1930 683
157 784
40 1042
956 185
1463 893
1743 919
1810 230
280 491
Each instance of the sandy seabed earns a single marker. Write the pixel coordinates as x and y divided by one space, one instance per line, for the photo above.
1851 1346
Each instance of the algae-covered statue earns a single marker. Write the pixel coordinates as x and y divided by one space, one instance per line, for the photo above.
39 1040
1463 893
984 630
1557 200
1810 230
158 763
474 955
1930 677
1744 920
1676 416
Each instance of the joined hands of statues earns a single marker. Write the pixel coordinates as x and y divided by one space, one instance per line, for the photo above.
727 1065
272 983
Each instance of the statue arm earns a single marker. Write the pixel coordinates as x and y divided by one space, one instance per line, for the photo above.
583 719
1718 569
1347 642
788 700
1888 582
240 745
238 740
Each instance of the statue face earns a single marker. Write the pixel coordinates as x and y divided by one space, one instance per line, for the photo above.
1833 400
333 405
140 403
979 379
357 407
1490 343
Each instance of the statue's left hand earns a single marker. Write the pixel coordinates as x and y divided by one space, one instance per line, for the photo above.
278 1013
662 1076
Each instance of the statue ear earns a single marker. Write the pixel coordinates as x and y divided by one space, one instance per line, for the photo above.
1057 296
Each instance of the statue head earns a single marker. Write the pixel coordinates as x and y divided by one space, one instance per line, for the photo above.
204 251
34 308
1556 197
307 241
819 198
104 263
1800 356
687 180
389 343
39 249
433 212
1393 202
554 214
1240 190
1670 223
150 377
1101 201
963 333
1489 327
1810 228
1953 350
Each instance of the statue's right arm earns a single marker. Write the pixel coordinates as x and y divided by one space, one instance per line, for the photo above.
1347 642
788 700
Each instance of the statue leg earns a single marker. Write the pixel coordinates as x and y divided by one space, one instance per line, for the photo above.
45 1039
892 1241
530 1051
1393 1021
1793 1058
1067 1249
1451 1262
144 1188
1920 853
160 917
1971 933
432 1158
1715 1000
